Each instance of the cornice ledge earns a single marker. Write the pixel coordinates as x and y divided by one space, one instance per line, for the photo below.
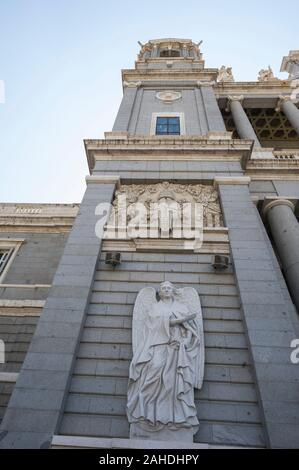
214 138
231 181
103 179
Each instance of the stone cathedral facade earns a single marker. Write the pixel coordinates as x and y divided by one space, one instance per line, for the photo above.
183 133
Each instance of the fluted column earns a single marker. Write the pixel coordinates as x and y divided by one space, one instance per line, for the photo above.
285 231
242 123
287 105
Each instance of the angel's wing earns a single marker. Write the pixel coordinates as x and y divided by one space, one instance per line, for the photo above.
190 297
145 300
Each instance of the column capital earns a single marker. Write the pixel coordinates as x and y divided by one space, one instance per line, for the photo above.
131 84
232 98
103 179
231 181
200 83
283 99
277 201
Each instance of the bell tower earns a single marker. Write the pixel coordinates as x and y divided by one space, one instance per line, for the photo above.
169 86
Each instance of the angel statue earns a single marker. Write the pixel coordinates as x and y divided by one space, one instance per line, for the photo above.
167 364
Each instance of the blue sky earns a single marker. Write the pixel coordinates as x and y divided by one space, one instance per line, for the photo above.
61 61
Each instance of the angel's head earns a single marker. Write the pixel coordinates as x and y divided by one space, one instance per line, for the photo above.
166 290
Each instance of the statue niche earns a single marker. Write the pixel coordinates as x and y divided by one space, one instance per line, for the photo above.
167 364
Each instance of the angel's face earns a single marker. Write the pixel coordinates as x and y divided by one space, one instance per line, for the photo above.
166 290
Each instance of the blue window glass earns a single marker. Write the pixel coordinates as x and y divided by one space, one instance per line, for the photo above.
168 126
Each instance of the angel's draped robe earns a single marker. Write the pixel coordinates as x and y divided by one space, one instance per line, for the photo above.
162 371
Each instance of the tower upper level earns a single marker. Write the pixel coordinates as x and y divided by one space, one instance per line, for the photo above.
170 53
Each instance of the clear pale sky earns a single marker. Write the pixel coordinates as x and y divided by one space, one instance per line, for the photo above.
61 61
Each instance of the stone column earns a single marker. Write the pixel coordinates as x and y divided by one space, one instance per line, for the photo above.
290 110
185 52
243 125
155 51
125 111
36 405
270 323
285 230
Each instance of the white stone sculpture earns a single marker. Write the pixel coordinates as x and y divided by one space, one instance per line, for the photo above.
225 74
266 75
167 364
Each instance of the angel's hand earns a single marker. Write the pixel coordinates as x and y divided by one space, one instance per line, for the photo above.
191 317
180 321
175 322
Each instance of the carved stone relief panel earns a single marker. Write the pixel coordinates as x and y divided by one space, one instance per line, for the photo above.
168 194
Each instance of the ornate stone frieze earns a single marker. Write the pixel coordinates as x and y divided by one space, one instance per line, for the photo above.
169 193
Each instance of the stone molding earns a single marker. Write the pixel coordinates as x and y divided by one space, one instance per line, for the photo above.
103 179
80 442
262 153
9 377
169 245
272 176
207 83
37 217
25 286
114 135
179 147
22 303
231 180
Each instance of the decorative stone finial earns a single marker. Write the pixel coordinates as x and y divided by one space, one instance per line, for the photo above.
266 75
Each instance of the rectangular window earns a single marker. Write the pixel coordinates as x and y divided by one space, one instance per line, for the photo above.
168 126
4 257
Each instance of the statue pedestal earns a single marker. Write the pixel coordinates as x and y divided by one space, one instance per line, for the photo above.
146 432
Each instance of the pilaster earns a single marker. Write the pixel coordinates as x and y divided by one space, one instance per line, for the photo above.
36 405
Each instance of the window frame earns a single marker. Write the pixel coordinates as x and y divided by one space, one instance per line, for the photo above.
181 117
168 125
12 246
